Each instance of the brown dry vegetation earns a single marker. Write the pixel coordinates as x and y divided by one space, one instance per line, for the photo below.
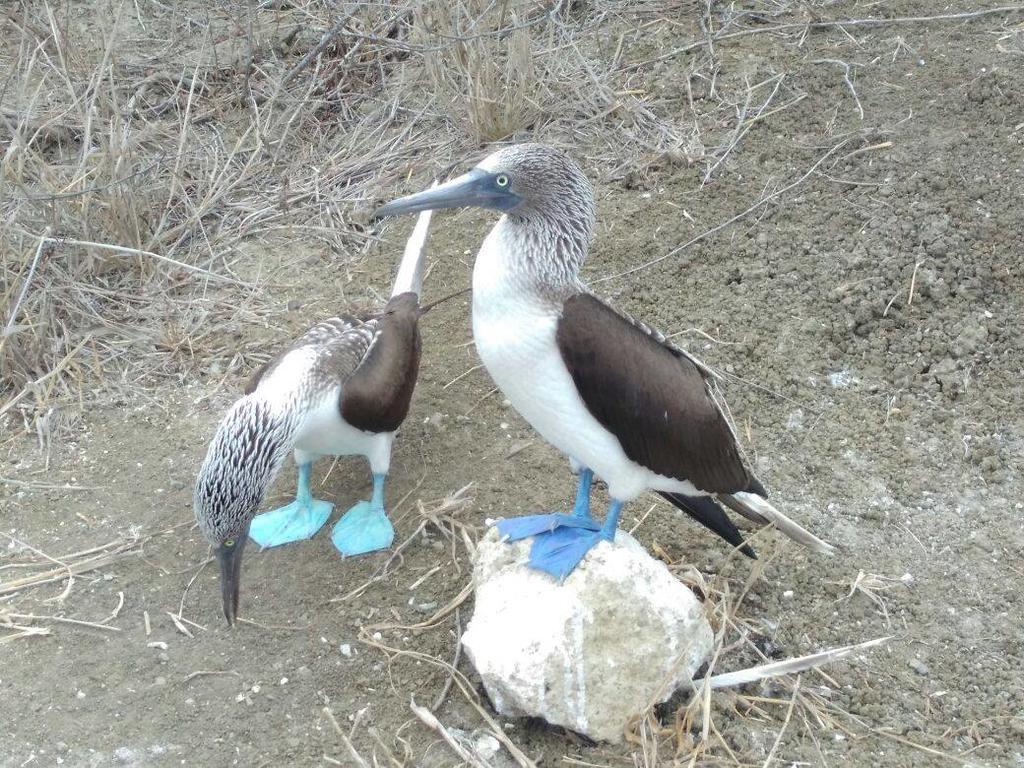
183 185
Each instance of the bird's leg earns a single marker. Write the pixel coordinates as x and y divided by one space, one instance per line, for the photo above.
561 550
365 527
581 508
611 521
293 522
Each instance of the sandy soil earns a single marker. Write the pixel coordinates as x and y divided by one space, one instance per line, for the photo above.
871 321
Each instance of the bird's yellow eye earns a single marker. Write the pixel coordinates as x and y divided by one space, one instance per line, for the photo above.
229 543
501 180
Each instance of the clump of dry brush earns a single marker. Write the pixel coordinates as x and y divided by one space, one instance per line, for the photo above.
154 154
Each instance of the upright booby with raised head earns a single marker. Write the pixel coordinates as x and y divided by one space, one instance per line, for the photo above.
607 390
342 388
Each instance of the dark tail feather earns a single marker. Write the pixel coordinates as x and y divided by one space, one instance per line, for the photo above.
705 510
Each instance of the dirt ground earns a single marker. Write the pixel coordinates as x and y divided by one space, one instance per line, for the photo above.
868 324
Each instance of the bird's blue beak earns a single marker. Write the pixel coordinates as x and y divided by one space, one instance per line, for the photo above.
477 188
230 559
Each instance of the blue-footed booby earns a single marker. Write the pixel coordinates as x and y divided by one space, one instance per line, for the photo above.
609 391
342 388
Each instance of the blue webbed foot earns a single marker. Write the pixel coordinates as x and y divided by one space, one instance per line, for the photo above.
364 528
518 528
293 522
560 551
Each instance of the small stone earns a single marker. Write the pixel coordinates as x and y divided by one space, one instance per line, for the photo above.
346 650
919 666
620 633
788 594
80 695
160 681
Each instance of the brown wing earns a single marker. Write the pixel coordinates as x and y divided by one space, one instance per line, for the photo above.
652 396
376 398
342 343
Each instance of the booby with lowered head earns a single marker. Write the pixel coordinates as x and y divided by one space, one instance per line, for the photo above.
342 388
609 391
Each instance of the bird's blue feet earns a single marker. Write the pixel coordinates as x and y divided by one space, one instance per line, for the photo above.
532 525
293 522
365 527
561 550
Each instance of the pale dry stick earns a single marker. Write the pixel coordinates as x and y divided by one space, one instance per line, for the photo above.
146 624
862 150
34 386
434 620
273 627
915 745
382 572
913 282
496 730
345 739
455 664
640 521
184 594
846 79
325 40
428 719
67 568
51 486
209 673
424 577
60 620
725 744
910 293
24 287
395 762
732 220
462 375
743 125
152 255
117 610
706 335
180 626
175 172
785 724
23 632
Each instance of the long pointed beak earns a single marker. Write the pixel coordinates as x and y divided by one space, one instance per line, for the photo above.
474 188
230 559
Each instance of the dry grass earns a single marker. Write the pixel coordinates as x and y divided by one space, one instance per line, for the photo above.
153 156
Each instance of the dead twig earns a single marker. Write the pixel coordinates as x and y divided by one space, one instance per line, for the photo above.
846 79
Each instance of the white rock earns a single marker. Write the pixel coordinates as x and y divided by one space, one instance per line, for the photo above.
621 633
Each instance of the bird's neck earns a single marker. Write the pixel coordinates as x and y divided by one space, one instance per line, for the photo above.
252 442
534 257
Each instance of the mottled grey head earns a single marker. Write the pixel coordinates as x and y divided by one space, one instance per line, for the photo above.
244 457
531 183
